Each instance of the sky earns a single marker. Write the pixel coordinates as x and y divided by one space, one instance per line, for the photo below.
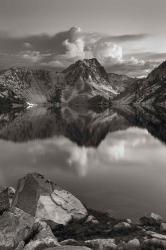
126 36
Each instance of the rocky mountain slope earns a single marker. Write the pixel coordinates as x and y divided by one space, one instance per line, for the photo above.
150 91
120 82
84 83
19 86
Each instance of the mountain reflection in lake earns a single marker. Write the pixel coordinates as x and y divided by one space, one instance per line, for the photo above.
113 161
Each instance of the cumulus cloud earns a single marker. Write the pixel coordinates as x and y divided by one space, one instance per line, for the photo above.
107 51
64 48
75 48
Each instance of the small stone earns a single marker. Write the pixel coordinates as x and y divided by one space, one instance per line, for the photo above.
163 227
92 219
129 221
99 244
69 242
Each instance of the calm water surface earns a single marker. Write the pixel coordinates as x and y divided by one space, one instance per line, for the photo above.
113 162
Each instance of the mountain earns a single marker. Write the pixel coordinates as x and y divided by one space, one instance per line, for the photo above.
75 85
150 91
120 82
84 83
24 85
84 80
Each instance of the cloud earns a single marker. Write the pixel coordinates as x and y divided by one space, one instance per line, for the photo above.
133 67
127 38
33 56
75 48
107 51
66 47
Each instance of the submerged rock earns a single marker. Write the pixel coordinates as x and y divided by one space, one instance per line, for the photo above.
45 200
15 226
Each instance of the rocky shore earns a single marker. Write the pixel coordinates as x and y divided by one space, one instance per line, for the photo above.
41 215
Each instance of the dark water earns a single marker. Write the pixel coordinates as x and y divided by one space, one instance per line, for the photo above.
113 161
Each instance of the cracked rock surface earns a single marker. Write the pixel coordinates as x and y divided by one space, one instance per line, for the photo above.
45 200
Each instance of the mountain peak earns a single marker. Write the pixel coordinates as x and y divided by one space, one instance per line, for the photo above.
91 63
87 69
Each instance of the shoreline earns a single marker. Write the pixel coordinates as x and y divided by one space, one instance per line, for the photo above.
40 214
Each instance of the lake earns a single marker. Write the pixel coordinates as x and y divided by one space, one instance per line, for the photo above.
113 161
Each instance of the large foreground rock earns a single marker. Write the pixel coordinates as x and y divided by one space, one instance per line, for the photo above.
15 226
43 199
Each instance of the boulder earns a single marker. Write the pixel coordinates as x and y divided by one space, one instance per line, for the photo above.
45 200
154 244
133 244
122 227
103 244
44 238
4 200
152 220
15 226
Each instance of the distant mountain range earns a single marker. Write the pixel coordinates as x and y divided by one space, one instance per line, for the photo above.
85 83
